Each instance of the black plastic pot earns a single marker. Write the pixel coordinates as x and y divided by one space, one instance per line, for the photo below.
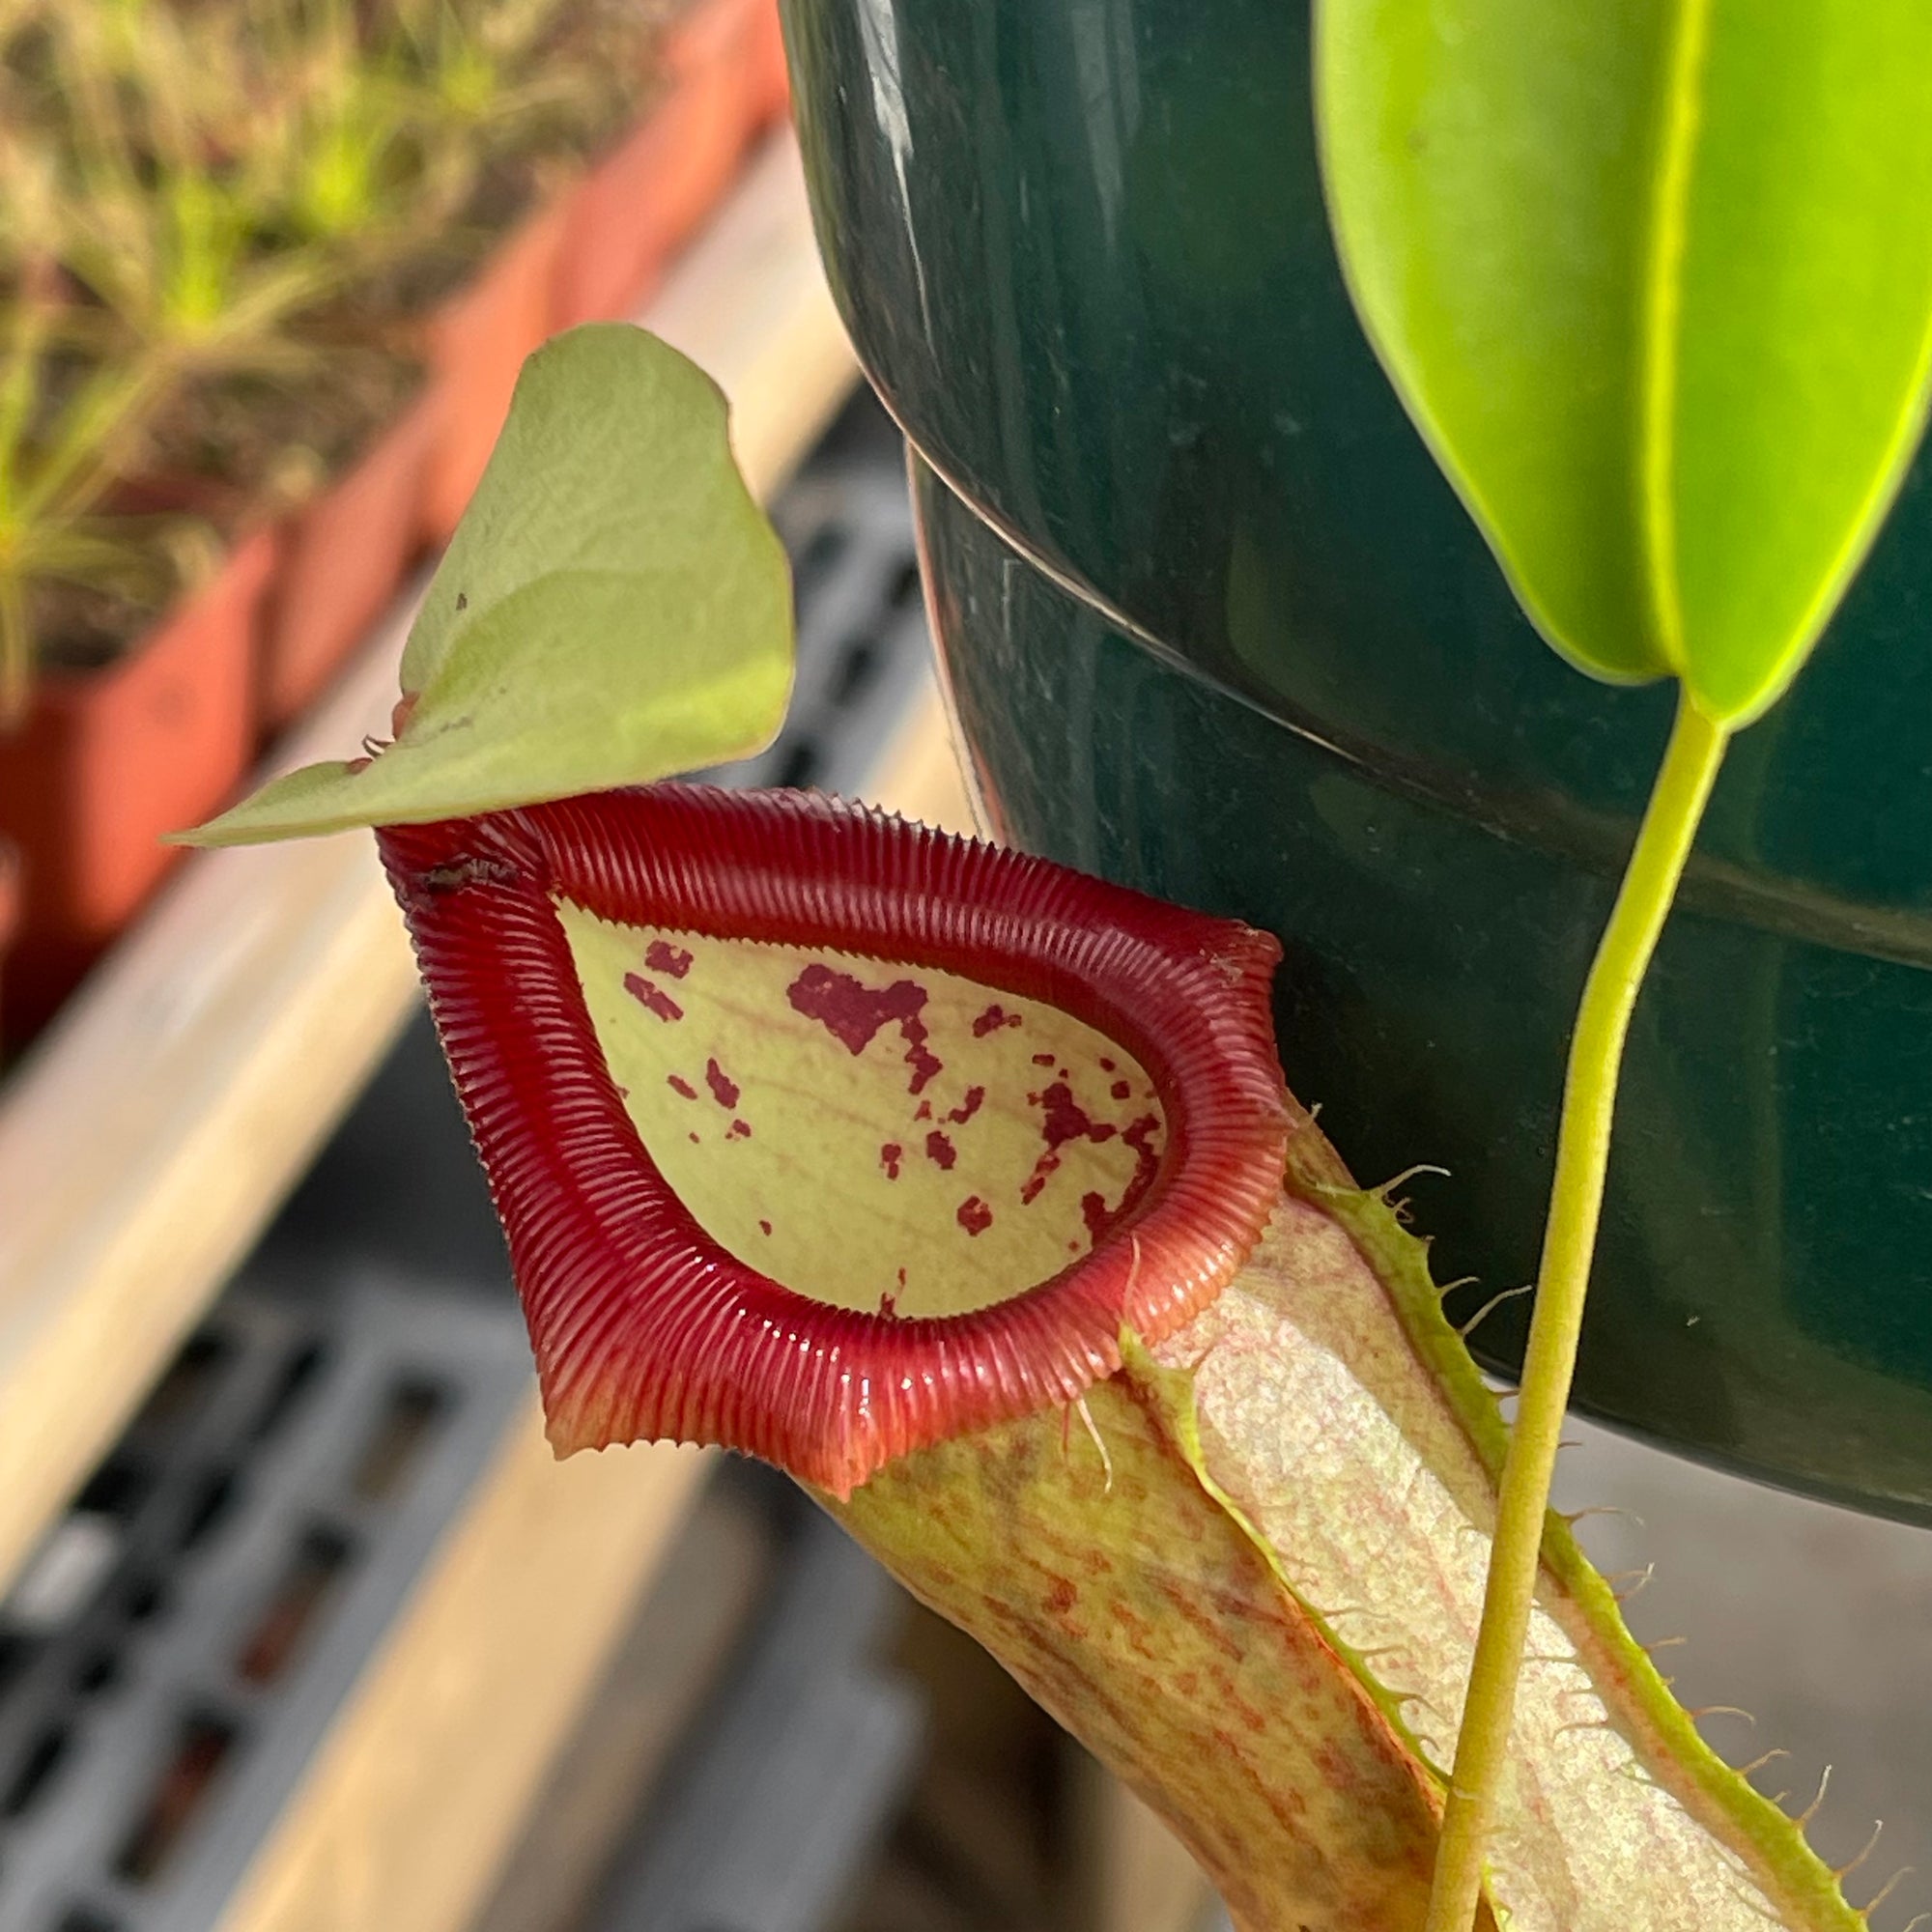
1215 626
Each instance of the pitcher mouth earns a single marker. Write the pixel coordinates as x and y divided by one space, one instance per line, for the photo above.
570 948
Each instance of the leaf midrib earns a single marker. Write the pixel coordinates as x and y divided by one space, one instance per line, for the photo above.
1661 302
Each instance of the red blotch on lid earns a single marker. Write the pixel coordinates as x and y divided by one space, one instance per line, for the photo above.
738 1130
643 1325
992 1020
1063 1119
764 1227
1100 1219
1093 1212
975 1098
672 961
724 1092
940 1151
1147 1162
1121 1089
652 997
852 1012
889 1157
679 1084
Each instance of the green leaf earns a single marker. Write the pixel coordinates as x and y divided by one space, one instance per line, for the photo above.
1654 278
613 608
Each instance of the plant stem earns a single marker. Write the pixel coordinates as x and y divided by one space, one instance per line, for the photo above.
1663 842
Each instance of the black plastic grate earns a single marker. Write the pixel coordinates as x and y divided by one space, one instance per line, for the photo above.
862 657
183 1638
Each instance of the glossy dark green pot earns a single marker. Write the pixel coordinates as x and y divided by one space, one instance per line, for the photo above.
1214 626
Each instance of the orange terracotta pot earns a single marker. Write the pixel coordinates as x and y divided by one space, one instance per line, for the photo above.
342 559
744 34
764 52
595 252
640 205
647 199
10 908
106 762
477 342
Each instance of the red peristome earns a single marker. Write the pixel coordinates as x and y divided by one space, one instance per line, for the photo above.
644 1326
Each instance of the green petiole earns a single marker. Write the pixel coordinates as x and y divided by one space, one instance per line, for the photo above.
1677 800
